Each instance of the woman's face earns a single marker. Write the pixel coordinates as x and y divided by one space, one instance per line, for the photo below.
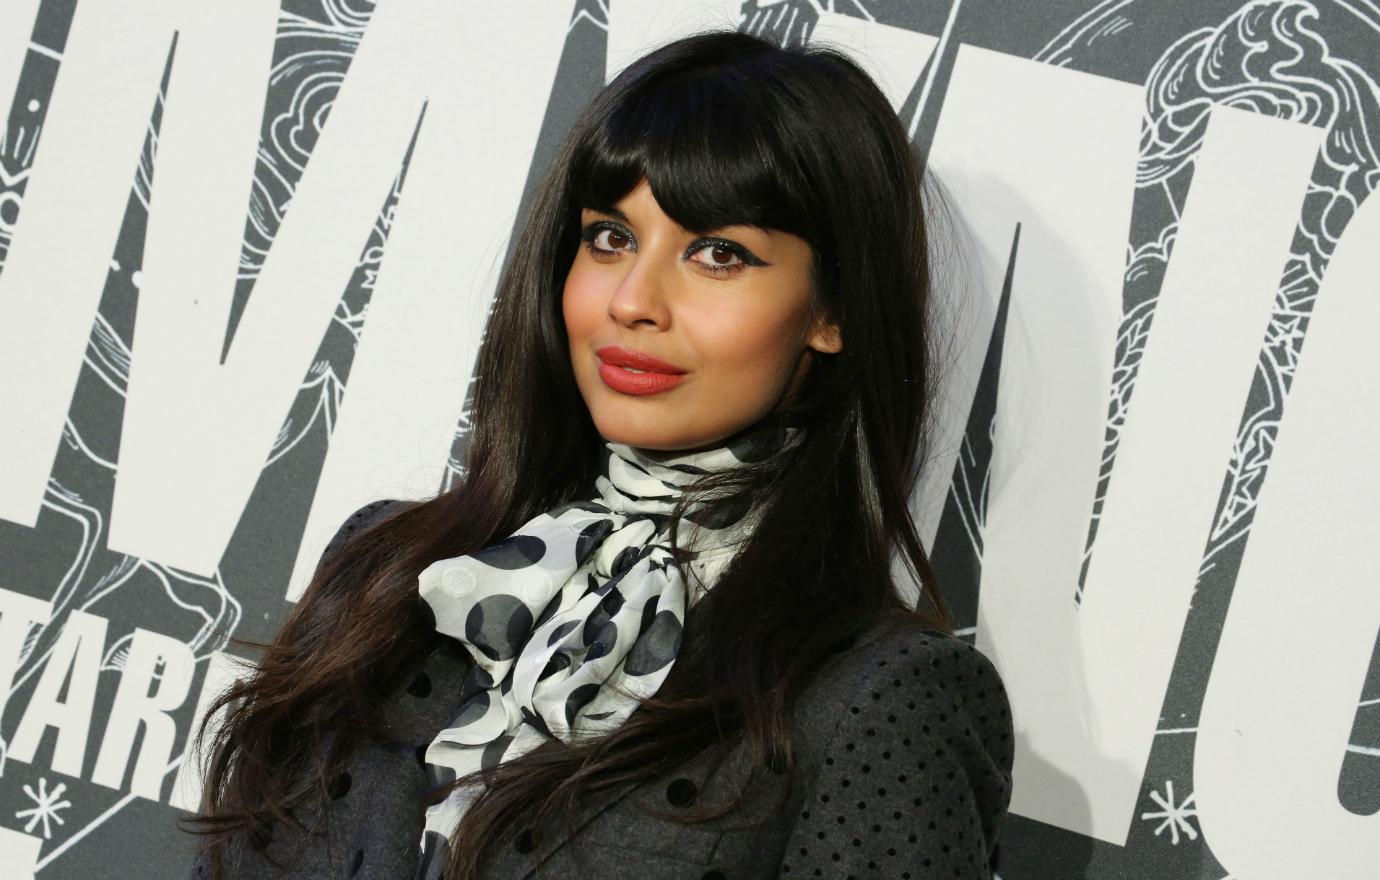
727 312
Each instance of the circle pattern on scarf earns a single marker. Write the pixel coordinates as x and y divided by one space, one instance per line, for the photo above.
514 552
497 626
656 647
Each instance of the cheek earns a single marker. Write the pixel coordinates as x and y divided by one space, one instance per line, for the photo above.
582 305
750 341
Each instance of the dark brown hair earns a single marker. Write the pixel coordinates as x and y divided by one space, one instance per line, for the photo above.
727 128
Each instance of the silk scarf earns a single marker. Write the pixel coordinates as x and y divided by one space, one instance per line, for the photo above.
576 615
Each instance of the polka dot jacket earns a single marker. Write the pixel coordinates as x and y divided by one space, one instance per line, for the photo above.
904 753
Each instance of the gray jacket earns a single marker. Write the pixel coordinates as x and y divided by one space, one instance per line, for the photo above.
904 749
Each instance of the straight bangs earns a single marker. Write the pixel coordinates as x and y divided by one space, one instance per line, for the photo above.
713 145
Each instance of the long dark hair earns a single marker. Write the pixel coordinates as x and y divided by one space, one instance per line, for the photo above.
727 128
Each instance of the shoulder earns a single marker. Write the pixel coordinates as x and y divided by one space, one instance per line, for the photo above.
898 660
364 517
913 727
368 514
901 664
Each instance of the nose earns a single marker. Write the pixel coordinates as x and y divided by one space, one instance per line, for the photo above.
640 297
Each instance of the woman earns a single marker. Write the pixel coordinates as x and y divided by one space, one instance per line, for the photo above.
655 632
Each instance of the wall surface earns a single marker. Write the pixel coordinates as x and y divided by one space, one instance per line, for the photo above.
1153 489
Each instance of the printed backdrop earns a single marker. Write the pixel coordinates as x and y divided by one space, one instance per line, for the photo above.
231 232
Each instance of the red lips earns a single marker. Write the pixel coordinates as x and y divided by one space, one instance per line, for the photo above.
638 360
660 375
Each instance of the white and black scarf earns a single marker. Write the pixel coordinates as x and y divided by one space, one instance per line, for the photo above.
576 615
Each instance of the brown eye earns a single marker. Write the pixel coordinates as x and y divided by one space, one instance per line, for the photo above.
720 258
607 240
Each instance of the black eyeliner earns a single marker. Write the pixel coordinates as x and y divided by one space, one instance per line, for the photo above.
597 226
741 252
588 233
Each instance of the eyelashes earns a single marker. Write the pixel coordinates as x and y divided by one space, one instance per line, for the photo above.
591 233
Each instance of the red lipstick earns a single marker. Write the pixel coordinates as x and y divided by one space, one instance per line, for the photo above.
658 376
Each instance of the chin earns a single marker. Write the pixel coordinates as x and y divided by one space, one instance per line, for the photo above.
619 431
661 423
661 438
645 432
